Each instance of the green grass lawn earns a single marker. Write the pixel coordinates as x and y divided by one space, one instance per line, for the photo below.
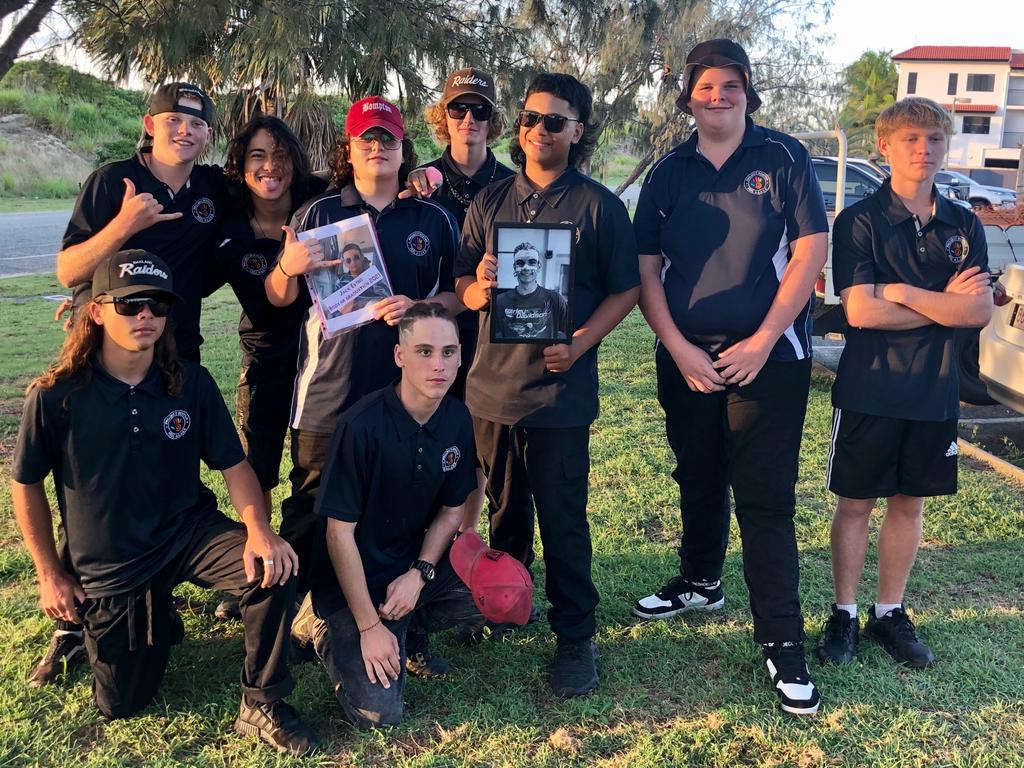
686 692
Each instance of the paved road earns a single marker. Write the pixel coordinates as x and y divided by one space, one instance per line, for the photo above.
29 241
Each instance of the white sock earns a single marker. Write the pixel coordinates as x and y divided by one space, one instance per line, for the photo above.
883 608
850 608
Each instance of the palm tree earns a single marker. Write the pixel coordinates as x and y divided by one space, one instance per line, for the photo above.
870 87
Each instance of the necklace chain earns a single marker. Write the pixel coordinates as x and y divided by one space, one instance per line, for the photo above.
465 200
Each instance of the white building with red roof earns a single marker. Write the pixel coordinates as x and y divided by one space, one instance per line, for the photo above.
983 86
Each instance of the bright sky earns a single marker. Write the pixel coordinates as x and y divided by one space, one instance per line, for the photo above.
860 25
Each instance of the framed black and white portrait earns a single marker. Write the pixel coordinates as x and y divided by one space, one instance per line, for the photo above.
532 301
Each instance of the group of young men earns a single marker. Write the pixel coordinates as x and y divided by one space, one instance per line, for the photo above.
402 427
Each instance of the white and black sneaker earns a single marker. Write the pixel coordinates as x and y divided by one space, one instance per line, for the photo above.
790 678
678 596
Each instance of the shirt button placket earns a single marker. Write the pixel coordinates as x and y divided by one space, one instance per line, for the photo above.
133 415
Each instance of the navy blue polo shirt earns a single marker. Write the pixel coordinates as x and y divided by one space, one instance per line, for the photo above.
391 476
268 335
418 239
908 374
508 383
182 243
125 463
726 234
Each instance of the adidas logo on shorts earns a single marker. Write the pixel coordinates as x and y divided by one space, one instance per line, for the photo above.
952 450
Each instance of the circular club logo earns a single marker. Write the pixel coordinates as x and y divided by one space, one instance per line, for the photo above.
176 424
450 459
417 243
578 233
757 183
203 210
957 248
254 263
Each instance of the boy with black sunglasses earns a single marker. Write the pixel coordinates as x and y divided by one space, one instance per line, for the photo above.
122 423
532 406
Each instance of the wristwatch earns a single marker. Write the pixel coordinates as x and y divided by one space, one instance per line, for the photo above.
427 570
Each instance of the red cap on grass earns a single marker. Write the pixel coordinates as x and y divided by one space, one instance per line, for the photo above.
501 586
374 112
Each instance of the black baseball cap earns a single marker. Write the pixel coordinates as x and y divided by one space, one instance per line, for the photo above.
167 97
719 52
469 80
131 272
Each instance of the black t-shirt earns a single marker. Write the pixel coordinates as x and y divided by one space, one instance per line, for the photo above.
268 335
418 239
125 462
508 383
726 233
908 374
182 243
542 313
389 475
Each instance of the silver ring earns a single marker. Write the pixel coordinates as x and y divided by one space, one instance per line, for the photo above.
268 562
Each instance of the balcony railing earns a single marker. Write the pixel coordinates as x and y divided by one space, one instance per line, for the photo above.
1012 139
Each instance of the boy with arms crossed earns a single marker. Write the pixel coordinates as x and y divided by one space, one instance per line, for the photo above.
122 424
532 406
910 267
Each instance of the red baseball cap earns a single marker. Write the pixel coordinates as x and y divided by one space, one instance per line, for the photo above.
374 112
501 586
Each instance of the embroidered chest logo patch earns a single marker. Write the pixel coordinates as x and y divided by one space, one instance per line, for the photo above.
254 263
757 183
203 210
957 248
450 458
176 424
417 243
578 232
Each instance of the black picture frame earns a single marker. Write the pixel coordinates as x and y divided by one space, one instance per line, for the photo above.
542 315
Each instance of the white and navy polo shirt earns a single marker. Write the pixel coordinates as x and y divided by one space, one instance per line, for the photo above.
726 235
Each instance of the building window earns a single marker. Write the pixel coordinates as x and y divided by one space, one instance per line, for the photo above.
981 83
951 90
912 82
976 124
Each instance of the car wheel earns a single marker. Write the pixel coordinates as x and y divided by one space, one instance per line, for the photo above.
972 388
979 202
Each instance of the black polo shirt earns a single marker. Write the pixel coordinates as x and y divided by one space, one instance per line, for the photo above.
508 383
418 239
458 190
182 243
726 236
908 374
268 335
125 463
391 476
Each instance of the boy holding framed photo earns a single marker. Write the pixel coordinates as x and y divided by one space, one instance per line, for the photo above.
532 405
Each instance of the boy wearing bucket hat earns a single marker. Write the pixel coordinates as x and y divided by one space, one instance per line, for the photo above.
732 234
122 424
391 500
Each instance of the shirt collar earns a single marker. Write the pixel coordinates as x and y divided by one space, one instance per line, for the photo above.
151 183
113 388
349 197
753 136
896 212
481 178
406 425
552 193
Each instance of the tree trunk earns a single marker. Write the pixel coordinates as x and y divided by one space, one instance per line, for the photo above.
23 30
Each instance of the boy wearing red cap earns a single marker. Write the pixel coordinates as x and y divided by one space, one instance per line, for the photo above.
398 473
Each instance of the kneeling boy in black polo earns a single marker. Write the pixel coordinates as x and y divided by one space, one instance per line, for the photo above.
533 406
122 424
398 474
910 267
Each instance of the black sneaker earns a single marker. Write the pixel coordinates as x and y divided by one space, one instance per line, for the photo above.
419 661
790 678
306 626
228 609
839 637
678 596
472 634
574 672
895 633
66 652
278 724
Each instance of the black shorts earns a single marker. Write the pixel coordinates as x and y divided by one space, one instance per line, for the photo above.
877 456
262 405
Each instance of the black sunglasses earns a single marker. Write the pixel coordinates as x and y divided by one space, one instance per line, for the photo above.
481 112
552 123
132 305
